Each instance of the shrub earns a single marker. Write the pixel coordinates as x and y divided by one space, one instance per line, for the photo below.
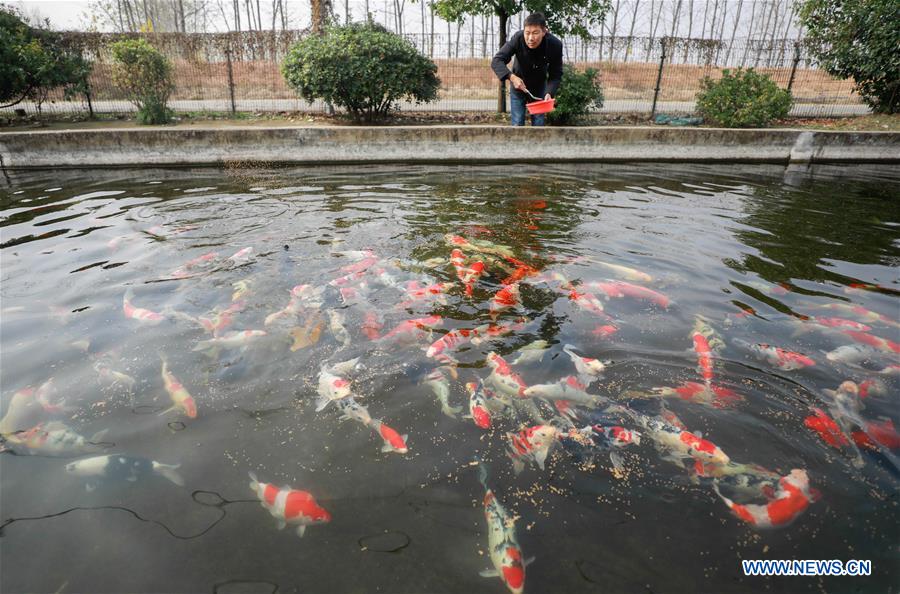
857 39
145 75
33 61
361 67
579 92
743 99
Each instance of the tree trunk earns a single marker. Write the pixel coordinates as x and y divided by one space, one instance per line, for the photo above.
501 89
675 16
637 5
749 33
737 20
431 32
615 25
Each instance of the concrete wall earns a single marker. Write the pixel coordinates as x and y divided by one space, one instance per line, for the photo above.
183 146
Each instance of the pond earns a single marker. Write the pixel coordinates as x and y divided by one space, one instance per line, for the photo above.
637 375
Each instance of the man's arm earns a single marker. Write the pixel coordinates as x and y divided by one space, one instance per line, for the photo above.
554 71
502 58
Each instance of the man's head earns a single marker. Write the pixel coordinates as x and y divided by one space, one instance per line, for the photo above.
535 29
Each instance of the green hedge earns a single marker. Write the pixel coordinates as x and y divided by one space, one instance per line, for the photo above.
742 99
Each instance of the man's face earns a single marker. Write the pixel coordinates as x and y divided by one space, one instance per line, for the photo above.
534 34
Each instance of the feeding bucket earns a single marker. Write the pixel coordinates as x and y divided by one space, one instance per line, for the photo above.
539 107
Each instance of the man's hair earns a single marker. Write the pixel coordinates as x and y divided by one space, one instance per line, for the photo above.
536 18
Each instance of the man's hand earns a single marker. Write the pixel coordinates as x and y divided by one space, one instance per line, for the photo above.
547 96
517 82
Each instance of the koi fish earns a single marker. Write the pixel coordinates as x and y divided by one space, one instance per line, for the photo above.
372 325
217 320
503 378
26 406
604 330
331 388
505 552
618 289
878 433
386 278
338 330
489 331
506 298
625 272
470 276
478 409
532 443
145 316
185 269
231 340
354 295
118 467
302 296
417 292
410 328
568 388
242 256
353 410
241 289
478 245
52 439
841 323
826 428
308 334
681 444
586 367
361 266
441 388
112 378
882 344
777 357
532 352
181 399
289 506
851 354
860 313
872 387
704 394
587 302
393 441
791 499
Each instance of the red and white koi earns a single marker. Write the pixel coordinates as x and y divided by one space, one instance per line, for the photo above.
469 276
618 436
532 443
478 409
587 302
289 506
26 406
588 368
680 444
505 552
372 324
347 280
52 439
490 331
569 389
416 292
181 399
792 497
409 329
218 320
361 266
882 344
450 341
503 377
860 313
618 289
476 245
507 297
704 394
242 256
333 387
393 441
604 330
778 357
185 269
841 323
145 316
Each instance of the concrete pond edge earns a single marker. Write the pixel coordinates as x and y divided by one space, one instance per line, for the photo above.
270 146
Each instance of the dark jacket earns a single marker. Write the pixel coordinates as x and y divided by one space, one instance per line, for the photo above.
534 66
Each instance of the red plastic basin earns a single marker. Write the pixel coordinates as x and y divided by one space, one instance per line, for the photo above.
539 107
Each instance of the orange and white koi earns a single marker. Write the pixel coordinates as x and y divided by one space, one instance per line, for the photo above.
393 441
704 394
625 272
450 341
441 388
347 280
230 340
361 266
792 497
841 323
860 313
778 357
218 320
52 439
490 331
145 316
882 344
26 406
289 506
503 378
587 302
481 246
505 552
532 443
417 292
506 298
411 328
588 368
181 399
478 409
470 276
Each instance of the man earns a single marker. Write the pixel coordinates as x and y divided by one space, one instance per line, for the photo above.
538 56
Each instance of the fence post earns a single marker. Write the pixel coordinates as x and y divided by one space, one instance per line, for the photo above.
794 65
662 61
230 78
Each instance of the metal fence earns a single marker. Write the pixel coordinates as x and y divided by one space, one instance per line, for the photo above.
240 72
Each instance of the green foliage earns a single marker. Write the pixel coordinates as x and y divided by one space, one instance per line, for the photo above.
858 39
743 99
35 61
564 17
361 67
145 75
579 92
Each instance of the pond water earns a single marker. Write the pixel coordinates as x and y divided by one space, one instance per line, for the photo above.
682 281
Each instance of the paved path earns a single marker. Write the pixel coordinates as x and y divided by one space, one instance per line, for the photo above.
446 105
